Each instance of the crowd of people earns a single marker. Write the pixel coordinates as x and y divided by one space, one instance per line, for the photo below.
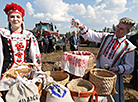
21 46
47 44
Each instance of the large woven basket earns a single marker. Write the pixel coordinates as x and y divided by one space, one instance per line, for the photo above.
11 73
81 90
90 63
59 76
104 81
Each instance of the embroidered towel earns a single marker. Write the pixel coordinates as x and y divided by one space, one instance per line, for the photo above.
76 62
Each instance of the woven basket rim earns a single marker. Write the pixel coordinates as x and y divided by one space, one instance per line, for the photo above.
80 79
16 68
59 72
64 81
104 70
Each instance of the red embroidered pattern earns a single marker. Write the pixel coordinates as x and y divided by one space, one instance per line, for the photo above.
18 60
19 54
34 40
19 46
38 61
75 61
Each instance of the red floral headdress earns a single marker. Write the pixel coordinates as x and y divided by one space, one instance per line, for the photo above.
14 8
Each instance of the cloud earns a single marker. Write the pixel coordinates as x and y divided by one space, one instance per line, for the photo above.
90 13
54 10
116 5
134 6
77 9
39 15
58 25
98 1
66 29
135 1
106 14
131 8
29 9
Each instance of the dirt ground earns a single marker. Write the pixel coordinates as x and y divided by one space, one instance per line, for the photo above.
50 58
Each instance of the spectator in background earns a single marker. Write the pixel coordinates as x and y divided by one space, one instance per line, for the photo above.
134 81
36 34
54 41
74 41
45 41
50 43
40 43
64 39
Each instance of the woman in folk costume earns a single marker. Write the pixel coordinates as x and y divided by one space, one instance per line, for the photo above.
115 50
17 45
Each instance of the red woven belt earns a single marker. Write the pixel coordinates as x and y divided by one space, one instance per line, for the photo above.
85 94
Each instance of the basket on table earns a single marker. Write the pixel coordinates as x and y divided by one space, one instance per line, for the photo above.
104 81
11 73
90 63
82 90
77 63
59 76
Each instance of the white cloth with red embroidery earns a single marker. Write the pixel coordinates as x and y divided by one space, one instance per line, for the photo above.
76 62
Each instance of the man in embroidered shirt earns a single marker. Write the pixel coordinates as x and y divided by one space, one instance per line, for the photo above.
115 50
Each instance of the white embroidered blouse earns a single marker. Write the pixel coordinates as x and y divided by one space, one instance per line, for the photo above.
17 48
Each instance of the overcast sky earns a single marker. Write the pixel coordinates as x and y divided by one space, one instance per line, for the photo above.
96 14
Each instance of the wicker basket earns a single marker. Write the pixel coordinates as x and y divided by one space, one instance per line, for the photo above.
81 90
11 73
104 81
90 63
59 76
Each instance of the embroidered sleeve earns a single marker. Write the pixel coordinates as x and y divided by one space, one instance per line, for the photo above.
128 66
90 35
34 52
84 30
122 71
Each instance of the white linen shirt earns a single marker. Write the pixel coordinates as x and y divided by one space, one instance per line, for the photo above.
97 37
